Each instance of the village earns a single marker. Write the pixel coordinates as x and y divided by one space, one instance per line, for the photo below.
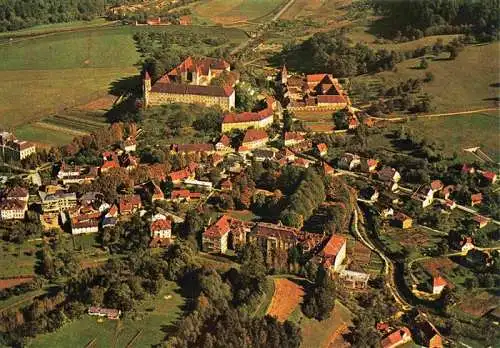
249 186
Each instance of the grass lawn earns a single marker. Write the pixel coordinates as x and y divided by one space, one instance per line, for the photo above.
16 260
39 135
267 297
466 83
157 314
45 74
321 333
454 133
228 12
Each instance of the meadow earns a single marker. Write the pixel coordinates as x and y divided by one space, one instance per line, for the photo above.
47 74
154 315
236 11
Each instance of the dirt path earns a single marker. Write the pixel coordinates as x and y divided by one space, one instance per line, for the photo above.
457 113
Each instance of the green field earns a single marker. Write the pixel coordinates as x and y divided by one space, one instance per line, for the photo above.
47 73
16 260
230 12
466 83
320 333
155 314
454 133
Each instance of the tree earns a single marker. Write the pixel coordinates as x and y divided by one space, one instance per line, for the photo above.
423 63
320 300
363 333
252 262
287 121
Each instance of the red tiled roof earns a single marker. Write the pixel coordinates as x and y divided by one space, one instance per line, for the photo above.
322 147
224 140
218 229
16 192
395 337
490 176
372 162
439 281
476 198
293 136
179 194
194 147
12 204
399 216
129 202
480 219
332 248
327 168
315 78
160 225
436 185
254 134
263 229
180 174
245 117
331 99
200 65
178 88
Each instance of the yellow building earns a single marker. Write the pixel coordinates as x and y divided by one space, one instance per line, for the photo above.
261 119
190 83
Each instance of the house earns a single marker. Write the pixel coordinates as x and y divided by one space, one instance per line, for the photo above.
302 162
85 226
14 149
322 149
353 122
447 191
450 204
190 82
255 138
244 120
112 212
466 244
105 312
327 169
354 280
57 201
183 195
490 176
436 185
396 338
481 221
334 253
476 198
402 220
224 144
431 337
199 183
438 285
466 169
129 144
215 237
370 165
387 213
129 204
17 193
293 138
109 222
261 155
157 193
180 175
161 229
11 209
349 161
185 20
388 174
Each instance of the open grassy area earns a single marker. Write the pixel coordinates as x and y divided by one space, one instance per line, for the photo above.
466 83
156 314
18 259
45 74
321 333
454 132
231 12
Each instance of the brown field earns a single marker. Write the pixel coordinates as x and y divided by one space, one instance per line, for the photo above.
362 253
479 305
438 265
103 103
320 126
287 296
11 282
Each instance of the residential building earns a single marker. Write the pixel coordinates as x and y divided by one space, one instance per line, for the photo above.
16 193
194 148
129 204
334 253
215 237
388 174
328 169
184 195
322 149
244 120
432 338
466 245
189 82
224 144
11 209
105 312
14 149
293 138
447 191
370 193
436 185
354 280
438 285
85 226
476 198
254 138
402 220
226 185
396 338
129 144
349 161
370 165
180 175
161 229
272 238
481 221
57 201
491 177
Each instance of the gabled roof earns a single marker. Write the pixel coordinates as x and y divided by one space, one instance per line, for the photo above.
294 136
225 140
180 174
436 185
322 147
16 192
254 134
395 337
218 229
490 176
161 225
332 248
439 281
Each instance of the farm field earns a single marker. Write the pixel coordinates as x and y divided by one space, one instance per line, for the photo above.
287 296
155 315
46 74
231 12
477 129
396 239
323 333
466 83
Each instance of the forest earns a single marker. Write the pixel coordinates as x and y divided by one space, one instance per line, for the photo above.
412 19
